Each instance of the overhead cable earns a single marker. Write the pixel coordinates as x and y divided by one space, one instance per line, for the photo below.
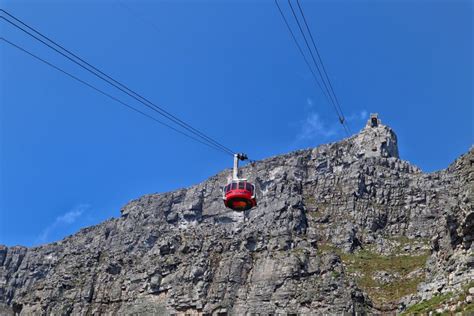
341 119
324 87
320 59
103 76
18 47
301 50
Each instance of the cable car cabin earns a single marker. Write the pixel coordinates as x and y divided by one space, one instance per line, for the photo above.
239 195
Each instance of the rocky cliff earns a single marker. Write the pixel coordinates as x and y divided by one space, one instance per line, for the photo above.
346 227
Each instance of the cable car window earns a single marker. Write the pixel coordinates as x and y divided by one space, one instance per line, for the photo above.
241 185
234 186
248 187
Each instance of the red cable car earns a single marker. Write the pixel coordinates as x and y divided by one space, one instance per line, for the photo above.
239 194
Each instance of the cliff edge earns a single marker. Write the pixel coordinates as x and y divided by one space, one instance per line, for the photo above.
346 227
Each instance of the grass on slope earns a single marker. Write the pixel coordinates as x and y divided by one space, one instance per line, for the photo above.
364 265
444 301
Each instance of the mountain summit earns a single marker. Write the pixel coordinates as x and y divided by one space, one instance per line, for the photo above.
346 227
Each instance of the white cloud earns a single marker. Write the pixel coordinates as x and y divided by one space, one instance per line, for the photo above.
63 220
309 104
313 127
358 116
71 216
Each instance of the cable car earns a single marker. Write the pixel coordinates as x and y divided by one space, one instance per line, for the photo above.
239 194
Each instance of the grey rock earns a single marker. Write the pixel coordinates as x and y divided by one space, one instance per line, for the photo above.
183 252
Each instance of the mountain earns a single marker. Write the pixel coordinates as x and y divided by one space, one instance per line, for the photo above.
346 227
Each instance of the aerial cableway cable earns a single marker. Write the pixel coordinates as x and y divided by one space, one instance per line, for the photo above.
105 93
301 50
326 91
319 57
98 73
333 102
101 75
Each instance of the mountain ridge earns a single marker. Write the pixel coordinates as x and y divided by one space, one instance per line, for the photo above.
338 229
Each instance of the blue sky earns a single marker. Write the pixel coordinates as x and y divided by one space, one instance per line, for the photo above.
70 157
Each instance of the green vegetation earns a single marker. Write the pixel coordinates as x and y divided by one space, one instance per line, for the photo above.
388 278
469 309
429 305
335 274
326 247
441 300
365 264
405 241
313 214
311 207
310 201
315 207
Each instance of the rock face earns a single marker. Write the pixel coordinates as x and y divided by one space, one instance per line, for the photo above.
343 228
